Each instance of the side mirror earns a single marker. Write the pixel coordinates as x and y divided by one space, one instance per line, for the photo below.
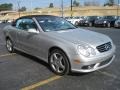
32 30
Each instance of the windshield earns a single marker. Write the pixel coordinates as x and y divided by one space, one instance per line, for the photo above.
86 18
52 23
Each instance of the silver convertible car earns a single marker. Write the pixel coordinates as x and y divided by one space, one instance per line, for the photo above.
65 47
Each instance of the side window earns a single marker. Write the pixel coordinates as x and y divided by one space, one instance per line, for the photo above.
25 24
19 24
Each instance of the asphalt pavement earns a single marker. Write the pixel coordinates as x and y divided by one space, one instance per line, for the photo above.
19 71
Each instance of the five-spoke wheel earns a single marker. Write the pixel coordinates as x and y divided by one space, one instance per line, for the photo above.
9 45
59 62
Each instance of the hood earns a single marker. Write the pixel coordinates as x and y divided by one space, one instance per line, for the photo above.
78 36
86 20
73 19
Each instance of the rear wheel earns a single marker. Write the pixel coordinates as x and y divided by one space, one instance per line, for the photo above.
58 62
9 45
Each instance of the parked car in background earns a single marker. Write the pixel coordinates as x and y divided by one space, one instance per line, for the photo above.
9 21
117 23
4 21
88 21
106 21
74 20
62 45
0 21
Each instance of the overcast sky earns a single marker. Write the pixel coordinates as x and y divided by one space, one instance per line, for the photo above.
43 3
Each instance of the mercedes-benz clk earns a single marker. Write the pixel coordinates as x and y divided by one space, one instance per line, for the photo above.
56 41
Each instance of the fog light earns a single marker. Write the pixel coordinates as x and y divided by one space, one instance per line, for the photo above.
88 66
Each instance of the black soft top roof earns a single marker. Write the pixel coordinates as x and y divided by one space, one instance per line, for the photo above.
35 16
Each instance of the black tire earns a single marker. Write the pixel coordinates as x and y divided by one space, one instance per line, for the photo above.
9 45
65 62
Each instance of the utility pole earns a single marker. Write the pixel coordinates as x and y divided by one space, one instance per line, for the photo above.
62 8
18 2
31 6
118 8
71 8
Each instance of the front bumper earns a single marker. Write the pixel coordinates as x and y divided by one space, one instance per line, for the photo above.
101 24
92 64
83 24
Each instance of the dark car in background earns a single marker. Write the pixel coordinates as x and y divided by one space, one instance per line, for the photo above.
88 21
106 21
117 23
3 21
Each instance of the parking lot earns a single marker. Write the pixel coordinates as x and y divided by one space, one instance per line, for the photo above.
19 71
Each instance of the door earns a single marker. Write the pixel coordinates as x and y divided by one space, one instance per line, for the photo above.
25 38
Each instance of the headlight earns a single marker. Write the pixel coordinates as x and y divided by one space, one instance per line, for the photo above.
105 21
86 21
86 50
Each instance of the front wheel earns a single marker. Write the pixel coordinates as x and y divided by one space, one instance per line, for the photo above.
9 45
58 62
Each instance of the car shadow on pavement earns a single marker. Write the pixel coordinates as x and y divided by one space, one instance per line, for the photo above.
33 58
77 74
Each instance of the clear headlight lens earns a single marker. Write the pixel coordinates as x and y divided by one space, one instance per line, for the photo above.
86 21
86 50
105 21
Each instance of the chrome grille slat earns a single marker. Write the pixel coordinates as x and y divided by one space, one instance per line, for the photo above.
104 47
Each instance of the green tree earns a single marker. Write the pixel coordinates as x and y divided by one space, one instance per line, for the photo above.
91 3
51 5
22 9
76 3
110 3
37 8
6 6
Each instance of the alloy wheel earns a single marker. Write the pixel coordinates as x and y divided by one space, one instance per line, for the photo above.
9 45
59 62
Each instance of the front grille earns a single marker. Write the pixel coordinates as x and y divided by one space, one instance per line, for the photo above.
104 47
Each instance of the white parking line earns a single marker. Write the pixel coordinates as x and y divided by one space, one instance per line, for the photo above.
5 55
109 75
41 83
